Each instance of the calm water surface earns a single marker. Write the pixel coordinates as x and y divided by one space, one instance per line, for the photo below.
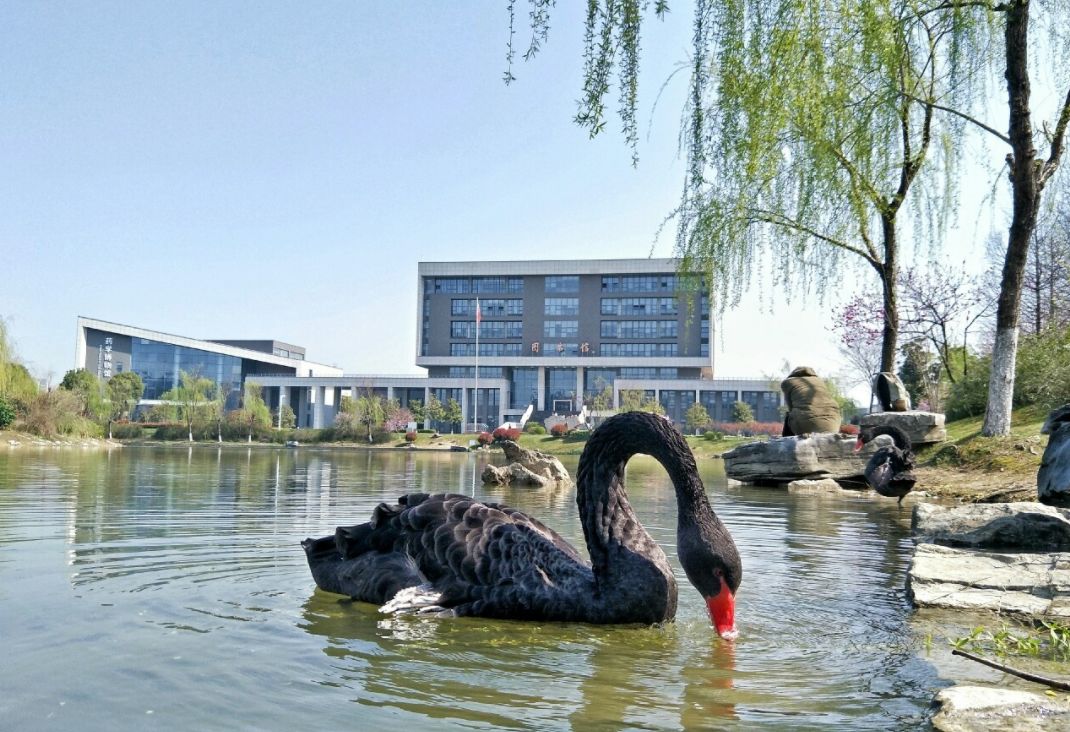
164 588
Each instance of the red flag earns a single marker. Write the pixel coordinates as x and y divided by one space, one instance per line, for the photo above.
479 315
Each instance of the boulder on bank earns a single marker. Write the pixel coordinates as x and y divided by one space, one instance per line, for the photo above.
923 428
1010 557
1023 526
526 465
1053 478
1036 583
811 457
993 709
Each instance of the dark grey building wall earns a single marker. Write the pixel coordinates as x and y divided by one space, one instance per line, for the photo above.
97 350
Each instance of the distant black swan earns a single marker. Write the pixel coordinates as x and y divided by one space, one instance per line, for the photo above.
453 555
889 469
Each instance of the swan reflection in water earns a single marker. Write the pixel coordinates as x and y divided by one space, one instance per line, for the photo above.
512 675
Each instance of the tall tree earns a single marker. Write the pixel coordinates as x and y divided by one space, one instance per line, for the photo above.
1029 172
807 127
193 397
124 391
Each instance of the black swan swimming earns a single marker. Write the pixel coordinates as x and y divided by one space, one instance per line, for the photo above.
889 469
450 554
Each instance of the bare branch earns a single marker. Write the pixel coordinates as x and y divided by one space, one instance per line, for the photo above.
963 115
1053 683
1057 141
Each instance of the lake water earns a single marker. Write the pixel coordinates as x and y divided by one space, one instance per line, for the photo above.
165 588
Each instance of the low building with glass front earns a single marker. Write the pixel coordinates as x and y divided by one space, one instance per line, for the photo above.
106 349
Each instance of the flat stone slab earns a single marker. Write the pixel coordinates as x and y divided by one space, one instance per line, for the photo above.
923 428
1024 526
813 457
975 579
971 708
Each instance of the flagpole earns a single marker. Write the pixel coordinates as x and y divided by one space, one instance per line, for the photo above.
475 392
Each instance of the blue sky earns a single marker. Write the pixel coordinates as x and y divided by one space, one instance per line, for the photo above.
273 170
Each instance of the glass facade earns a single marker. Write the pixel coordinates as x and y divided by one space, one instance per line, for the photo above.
560 386
561 306
524 389
563 283
595 381
160 366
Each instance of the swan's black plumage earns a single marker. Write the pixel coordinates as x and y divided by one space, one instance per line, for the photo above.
889 469
468 557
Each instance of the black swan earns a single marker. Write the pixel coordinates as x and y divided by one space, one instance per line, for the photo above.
450 554
889 469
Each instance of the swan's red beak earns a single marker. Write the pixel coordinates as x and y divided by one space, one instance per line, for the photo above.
722 609
859 444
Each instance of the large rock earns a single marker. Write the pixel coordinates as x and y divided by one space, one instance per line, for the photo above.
994 709
815 456
1020 526
1053 478
512 474
922 428
1027 584
527 463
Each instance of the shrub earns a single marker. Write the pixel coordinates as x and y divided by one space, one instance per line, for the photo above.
968 396
410 437
559 430
534 428
485 438
126 430
58 412
7 413
742 412
425 431
849 429
507 433
713 435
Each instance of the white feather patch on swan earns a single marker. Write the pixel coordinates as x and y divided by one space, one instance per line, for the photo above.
420 599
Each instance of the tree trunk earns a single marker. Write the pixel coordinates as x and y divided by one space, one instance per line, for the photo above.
888 272
1023 222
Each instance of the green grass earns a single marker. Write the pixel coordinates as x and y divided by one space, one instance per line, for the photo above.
1018 452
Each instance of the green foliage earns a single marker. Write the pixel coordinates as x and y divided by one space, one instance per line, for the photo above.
697 416
58 412
159 413
968 396
636 400
1049 639
16 384
127 431
416 408
256 411
434 410
742 412
7 413
289 419
603 400
89 391
534 428
124 390
713 435
453 412
1042 372
193 400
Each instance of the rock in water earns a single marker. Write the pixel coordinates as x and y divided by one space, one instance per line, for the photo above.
1053 478
527 467
811 457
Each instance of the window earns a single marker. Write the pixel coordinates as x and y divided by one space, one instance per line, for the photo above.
562 283
561 306
561 328
524 390
639 329
639 349
639 283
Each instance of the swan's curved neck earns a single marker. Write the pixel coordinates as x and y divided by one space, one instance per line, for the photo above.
615 537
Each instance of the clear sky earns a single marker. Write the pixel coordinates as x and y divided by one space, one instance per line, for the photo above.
277 170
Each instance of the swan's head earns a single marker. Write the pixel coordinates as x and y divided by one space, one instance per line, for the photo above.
710 559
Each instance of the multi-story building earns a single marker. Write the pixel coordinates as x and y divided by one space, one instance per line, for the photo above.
559 333
545 336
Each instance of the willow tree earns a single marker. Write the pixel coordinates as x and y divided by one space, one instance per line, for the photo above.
807 128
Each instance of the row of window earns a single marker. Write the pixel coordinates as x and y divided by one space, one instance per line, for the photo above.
485 372
488 308
639 329
639 306
639 283
639 349
485 349
490 285
487 329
